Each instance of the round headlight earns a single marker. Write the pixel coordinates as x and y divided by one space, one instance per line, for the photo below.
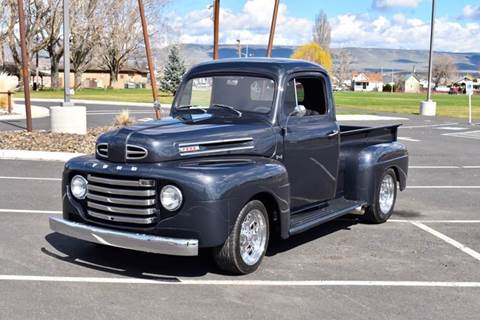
171 197
78 187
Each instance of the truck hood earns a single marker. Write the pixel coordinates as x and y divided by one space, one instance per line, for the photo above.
185 137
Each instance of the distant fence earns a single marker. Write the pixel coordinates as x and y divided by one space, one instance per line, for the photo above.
9 100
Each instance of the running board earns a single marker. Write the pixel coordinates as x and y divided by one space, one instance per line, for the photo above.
336 208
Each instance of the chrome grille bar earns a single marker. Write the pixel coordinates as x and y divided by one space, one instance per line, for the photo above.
140 212
127 201
119 182
124 192
121 219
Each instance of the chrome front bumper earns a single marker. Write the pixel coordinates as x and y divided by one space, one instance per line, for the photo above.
127 240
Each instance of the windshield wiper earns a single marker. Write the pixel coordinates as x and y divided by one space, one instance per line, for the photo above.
226 107
191 106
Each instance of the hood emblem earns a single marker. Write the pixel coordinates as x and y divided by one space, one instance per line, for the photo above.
188 149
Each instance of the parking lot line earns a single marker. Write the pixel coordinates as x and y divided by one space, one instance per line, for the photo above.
433 221
448 240
443 187
429 125
30 178
30 211
270 283
433 167
407 139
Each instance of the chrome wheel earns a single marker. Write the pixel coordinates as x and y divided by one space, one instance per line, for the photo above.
253 237
387 194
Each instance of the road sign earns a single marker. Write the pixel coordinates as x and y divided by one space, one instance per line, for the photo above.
469 88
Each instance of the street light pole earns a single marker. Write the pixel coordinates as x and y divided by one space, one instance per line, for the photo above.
25 68
429 107
151 67
66 53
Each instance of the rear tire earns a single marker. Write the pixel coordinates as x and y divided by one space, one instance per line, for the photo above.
384 201
246 245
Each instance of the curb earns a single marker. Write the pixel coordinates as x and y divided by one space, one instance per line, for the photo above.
37 155
19 110
100 102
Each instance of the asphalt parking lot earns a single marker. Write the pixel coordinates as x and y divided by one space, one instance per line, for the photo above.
423 264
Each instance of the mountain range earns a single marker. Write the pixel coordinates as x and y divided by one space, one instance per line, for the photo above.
398 61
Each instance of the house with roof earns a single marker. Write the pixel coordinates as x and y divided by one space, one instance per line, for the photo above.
367 82
410 84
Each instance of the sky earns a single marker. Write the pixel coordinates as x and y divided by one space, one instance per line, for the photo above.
399 24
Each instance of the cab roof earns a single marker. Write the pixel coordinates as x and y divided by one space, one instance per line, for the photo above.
276 67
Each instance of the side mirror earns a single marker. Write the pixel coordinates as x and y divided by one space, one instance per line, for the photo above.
299 111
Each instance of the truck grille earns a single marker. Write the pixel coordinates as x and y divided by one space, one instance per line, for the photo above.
122 200
136 152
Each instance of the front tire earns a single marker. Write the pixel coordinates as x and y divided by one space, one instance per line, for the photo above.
384 200
246 244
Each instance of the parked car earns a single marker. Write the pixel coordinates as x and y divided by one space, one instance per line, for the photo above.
258 155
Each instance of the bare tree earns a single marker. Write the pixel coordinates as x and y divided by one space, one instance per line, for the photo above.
322 31
122 35
51 34
86 31
36 12
342 62
444 69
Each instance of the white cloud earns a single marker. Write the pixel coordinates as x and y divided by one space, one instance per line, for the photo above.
351 30
471 11
385 4
251 25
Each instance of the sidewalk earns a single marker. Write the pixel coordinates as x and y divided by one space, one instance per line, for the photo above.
99 102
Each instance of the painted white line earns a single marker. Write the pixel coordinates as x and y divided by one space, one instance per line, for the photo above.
116 113
448 240
443 187
471 167
269 283
433 221
434 167
30 178
6 154
408 139
429 125
29 211
452 128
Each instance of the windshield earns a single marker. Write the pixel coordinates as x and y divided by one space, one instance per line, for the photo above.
237 93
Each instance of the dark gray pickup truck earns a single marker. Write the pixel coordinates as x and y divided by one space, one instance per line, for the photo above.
252 149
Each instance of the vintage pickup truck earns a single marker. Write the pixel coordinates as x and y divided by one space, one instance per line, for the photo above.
252 150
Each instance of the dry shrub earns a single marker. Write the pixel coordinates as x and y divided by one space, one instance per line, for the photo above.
7 83
123 119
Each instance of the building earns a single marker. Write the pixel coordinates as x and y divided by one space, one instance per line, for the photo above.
410 84
100 78
367 82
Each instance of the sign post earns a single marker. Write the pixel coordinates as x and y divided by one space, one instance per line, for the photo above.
469 92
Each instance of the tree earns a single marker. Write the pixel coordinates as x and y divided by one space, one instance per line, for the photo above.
86 30
173 72
35 13
342 62
322 31
122 35
51 33
443 71
3 30
313 52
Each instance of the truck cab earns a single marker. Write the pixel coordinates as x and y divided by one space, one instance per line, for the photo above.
252 148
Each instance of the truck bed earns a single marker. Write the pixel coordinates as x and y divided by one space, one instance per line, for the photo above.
368 135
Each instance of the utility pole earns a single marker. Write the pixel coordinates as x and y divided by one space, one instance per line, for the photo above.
272 28
216 24
429 107
151 67
25 69
66 54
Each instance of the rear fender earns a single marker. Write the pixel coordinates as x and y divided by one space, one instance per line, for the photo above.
364 169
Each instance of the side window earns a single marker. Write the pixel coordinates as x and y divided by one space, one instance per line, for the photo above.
310 92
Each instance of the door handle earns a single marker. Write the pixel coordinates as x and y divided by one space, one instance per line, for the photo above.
332 133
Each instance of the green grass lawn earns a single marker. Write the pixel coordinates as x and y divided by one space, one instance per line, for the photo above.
409 103
126 95
347 102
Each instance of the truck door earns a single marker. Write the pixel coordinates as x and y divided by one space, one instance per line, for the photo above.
311 141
